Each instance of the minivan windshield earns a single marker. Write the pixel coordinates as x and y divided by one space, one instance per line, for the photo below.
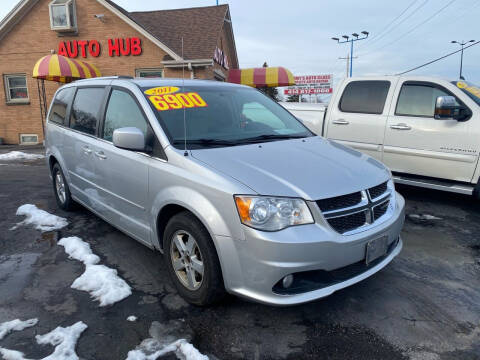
472 90
218 116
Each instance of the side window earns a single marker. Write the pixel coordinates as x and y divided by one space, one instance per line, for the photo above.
366 97
85 110
122 111
58 112
418 100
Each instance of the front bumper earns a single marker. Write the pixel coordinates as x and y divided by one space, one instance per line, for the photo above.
253 267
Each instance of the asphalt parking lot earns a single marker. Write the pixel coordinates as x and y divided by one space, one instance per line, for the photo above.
424 305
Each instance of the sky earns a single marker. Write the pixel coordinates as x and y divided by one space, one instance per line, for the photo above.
297 34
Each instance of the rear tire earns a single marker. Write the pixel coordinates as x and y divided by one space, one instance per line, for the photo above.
61 189
192 260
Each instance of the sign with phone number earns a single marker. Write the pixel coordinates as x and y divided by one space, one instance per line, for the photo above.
177 101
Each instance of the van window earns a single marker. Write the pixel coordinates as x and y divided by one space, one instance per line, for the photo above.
122 111
86 109
366 97
418 100
212 115
60 104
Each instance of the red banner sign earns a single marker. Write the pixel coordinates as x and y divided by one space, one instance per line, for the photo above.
116 47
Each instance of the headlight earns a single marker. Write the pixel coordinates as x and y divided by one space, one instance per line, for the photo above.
272 213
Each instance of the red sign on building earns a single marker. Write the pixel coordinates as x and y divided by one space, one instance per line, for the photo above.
116 47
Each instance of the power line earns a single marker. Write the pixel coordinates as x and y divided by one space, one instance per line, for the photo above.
438 59
380 35
414 28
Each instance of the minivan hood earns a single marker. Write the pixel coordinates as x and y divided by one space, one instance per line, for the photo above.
312 168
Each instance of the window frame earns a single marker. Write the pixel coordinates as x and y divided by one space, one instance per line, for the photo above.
8 98
70 27
432 85
100 111
150 132
363 112
138 71
66 122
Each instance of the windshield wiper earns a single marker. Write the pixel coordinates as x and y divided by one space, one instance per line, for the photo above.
205 142
261 138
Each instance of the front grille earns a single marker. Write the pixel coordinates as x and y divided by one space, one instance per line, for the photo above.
361 209
378 190
342 224
380 210
340 202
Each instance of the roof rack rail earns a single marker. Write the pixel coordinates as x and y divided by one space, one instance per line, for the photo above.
124 77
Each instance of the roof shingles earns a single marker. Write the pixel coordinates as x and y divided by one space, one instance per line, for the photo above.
200 28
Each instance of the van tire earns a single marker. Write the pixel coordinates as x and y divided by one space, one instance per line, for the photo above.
68 204
211 289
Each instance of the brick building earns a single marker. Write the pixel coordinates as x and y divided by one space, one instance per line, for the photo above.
117 42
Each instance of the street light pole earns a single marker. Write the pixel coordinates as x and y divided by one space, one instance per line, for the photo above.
462 44
355 37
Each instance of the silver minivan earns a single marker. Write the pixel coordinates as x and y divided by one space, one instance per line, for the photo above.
236 193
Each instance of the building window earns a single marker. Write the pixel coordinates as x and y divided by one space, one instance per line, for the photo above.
63 15
149 73
16 88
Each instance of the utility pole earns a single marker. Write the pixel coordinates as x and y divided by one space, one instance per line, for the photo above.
348 62
351 40
462 44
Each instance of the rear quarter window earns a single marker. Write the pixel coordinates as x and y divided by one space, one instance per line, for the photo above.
58 112
366 97
86 109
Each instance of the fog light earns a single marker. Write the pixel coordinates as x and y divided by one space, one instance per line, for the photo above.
287 281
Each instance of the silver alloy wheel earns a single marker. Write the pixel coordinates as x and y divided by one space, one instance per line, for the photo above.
60 187
187 260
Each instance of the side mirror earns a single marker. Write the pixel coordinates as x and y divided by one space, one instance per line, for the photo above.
130 138
446 107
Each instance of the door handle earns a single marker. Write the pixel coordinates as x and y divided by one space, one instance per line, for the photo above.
341 122
100 155
400 127
86 150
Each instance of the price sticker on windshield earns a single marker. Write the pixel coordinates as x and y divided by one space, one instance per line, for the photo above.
177 101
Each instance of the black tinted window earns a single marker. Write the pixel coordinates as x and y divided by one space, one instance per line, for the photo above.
86 109
418 100
364 97
122 111
60 104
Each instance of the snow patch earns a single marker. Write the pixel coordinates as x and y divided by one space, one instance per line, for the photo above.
79 250
166 338
132 318
182 349
20 155
42 220
102 282
64 340
423 217
15 325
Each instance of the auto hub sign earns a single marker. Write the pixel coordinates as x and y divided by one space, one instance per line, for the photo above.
311 84
115 47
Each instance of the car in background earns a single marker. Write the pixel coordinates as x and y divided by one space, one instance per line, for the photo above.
425 129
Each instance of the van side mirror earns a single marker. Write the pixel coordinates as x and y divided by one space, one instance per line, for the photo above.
446 107
129 138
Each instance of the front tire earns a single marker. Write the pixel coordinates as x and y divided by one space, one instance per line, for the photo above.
61 189
192 260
